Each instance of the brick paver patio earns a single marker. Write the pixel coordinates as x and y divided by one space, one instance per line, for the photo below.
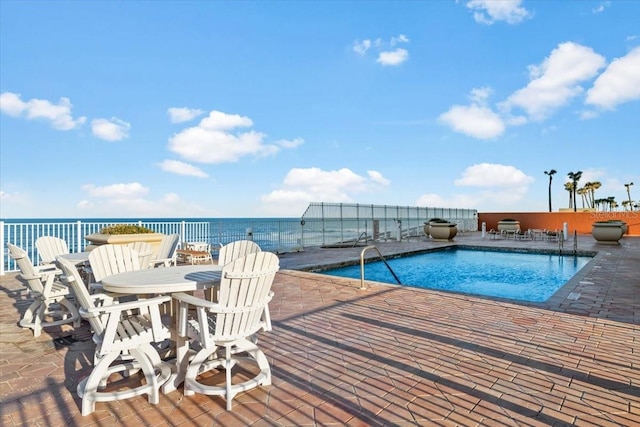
388 355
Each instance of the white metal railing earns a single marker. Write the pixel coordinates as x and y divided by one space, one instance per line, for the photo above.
319 226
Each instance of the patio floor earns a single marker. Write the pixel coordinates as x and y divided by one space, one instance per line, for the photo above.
387 355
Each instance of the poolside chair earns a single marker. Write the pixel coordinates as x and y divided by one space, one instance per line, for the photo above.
50 306
221 333
145 252
238 249
166 255
122 331
107 260
49 248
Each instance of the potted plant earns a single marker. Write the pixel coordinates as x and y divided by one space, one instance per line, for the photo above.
121 234
426 225
509 224
442 230
607 232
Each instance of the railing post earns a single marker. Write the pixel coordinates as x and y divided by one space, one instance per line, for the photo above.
2 248
79 236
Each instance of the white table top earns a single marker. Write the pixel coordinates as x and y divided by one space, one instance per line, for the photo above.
76 258
164 280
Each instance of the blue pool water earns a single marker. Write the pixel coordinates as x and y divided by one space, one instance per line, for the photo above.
518 276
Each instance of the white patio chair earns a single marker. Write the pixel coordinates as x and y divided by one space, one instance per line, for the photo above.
166 255
107 260
50 306
238 249
49 248
221 333
121 331
145 252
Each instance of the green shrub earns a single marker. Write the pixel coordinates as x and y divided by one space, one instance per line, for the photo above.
126 229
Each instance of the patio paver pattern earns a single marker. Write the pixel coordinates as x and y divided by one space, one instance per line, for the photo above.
384 356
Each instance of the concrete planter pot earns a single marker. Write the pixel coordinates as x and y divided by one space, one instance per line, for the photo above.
443 231
607 233
97 239
509 225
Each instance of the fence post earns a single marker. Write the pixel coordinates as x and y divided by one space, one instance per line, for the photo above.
79 236
2 248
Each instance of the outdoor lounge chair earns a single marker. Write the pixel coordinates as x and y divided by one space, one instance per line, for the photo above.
238 249
221 333
49 248
107 260
145 252
50 306
123 332
166 255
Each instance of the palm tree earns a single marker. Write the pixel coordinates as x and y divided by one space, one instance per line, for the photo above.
629 193
582 192
550 173
575 177
594 186
569 187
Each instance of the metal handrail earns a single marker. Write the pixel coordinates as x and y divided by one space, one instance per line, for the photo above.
381 257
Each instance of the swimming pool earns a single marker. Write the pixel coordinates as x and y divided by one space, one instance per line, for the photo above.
514 275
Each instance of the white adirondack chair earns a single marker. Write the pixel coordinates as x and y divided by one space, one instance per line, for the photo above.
50 306
238 249
124 330
145 252
49 248
107 260
228 325
166 255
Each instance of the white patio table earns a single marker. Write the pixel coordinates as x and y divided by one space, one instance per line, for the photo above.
186 278
77 258
165 281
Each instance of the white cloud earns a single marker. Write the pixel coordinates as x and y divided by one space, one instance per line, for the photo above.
59 115
112 129
290 143
361 47
181 115
213 140
388 53
393 57
601 7
182 168
490 11
493 175
495 187
474 120
619 83
377 177
217 120
556 81
302 186
116 191
400 39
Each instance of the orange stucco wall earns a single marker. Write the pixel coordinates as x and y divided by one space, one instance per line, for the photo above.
576 221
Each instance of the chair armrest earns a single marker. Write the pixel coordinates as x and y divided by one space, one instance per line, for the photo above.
199 302
130 305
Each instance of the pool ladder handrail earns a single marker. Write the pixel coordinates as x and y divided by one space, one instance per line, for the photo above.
381 257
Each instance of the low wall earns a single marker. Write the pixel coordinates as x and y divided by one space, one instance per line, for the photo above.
576 221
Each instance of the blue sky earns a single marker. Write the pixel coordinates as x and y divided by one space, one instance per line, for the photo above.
255 109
